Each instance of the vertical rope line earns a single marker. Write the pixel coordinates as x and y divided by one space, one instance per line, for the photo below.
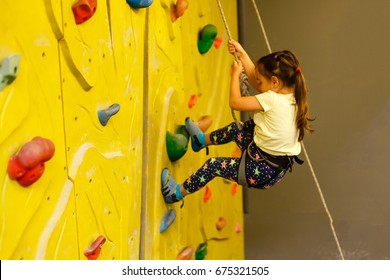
304 150
262 26
323 202
244 87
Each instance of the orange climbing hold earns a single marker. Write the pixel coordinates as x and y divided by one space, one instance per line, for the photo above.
178 9
93 251
192 101
83 10
185 254
221 223
207 194
205 122
234 189
28 165
218 42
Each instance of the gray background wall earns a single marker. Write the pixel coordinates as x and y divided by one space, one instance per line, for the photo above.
343 46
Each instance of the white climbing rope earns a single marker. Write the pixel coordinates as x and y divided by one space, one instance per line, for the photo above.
244 85
303 147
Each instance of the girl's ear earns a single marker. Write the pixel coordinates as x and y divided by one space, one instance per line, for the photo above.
274 81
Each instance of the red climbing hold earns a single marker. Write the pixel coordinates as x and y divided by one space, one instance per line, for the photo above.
93 251
28 164
83 10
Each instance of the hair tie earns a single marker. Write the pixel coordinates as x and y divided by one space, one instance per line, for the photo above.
275 56
298 69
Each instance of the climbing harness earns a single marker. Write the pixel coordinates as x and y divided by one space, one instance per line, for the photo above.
303 148
244 84
277 163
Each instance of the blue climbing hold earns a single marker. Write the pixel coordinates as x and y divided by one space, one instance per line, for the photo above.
139 3
105 115
167 219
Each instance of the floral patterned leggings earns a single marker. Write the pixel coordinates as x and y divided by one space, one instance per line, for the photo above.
257 172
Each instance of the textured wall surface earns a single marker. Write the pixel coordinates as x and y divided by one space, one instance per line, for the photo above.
104 180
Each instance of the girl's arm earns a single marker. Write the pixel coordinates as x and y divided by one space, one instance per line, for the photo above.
236 101
249 66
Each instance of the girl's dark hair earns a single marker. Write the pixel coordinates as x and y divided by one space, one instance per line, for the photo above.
285 66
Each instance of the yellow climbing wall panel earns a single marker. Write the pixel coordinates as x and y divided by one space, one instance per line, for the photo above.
104 180
38 221
176 71
102 64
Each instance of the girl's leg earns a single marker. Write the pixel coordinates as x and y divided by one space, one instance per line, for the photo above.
220 136
225 167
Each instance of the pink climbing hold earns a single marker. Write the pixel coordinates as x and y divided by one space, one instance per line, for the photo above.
28 165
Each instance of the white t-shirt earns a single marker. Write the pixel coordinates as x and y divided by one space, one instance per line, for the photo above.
276 132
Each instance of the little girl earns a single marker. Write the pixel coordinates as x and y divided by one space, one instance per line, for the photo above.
280 121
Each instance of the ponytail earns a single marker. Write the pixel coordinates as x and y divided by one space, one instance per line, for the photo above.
285 66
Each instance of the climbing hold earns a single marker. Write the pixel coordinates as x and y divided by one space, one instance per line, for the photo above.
167 219
221 223
178 9
238 228
206 38
93 251
205 122
105 115
139 3
185 254
83 10
32 175
201 252
181 129
9 70
218 42
177 145
234 189
28 165
207 194
192 101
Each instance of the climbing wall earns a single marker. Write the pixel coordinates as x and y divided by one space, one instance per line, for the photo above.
88 92
178 74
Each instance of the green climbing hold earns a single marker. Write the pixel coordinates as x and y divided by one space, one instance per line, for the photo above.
181 129
206 38
177 145
201 252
